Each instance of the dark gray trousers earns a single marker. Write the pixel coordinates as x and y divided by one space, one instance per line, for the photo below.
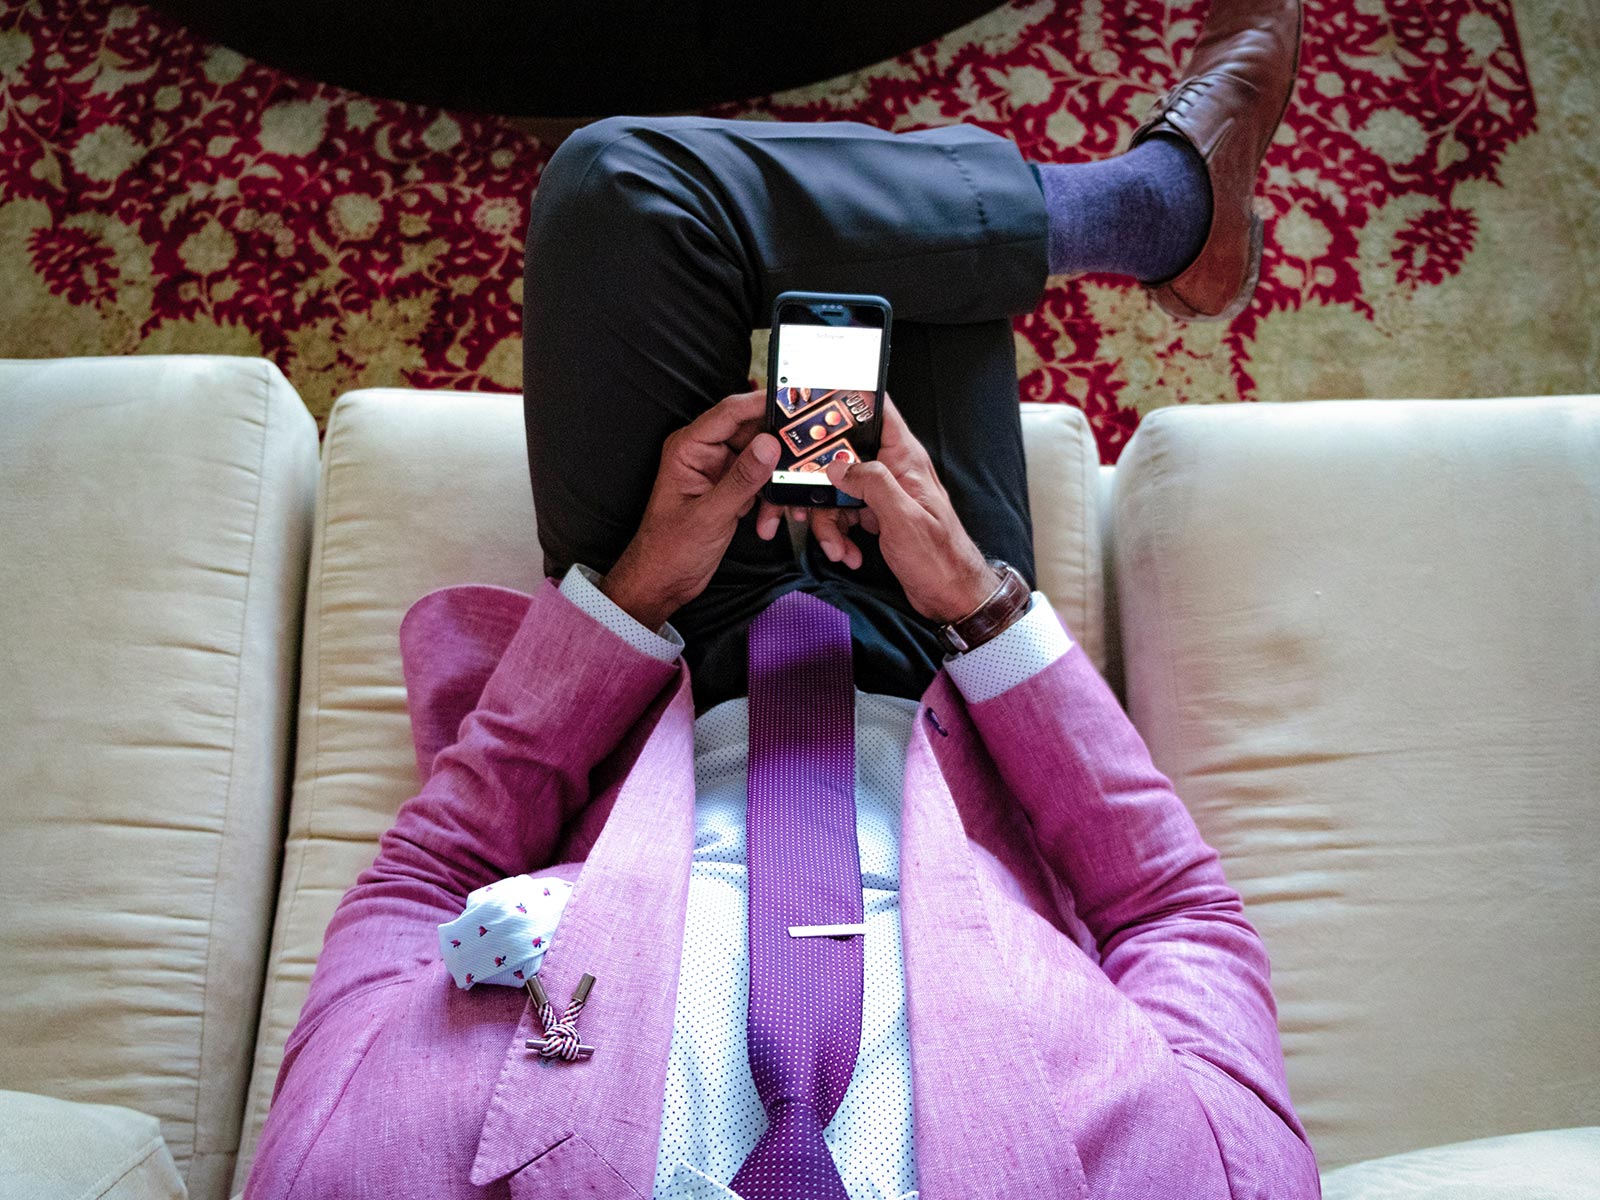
655 245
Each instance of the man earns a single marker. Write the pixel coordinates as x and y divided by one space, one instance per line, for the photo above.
1056 993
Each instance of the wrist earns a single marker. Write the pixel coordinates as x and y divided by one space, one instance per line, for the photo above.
997 611
633 591
975 585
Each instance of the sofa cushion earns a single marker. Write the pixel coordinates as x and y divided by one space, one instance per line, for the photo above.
422 490
1553 1164
1363 640
154 524
59 1150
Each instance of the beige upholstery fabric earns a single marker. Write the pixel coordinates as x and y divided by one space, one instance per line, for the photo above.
1111 668
422 490
1364 642
1555 1164
154 525
57 1150
1064 492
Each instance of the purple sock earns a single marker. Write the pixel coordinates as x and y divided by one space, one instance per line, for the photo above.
1145 213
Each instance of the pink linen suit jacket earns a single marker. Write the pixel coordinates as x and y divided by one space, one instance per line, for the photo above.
1089 1011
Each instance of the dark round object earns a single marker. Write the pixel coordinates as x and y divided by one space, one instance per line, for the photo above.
590 59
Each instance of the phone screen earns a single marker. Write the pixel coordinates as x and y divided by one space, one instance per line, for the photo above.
825 394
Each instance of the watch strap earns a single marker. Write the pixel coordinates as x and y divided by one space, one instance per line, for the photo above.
1002 607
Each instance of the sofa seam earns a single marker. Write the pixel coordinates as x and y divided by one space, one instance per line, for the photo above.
233 758
106 1182
287 905
321 526
1092 568
1164 477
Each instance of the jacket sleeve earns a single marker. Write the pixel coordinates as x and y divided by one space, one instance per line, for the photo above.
563 695
1171 932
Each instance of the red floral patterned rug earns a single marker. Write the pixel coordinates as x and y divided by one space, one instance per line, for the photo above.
1428 235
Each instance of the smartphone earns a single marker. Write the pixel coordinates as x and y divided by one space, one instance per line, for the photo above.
826 365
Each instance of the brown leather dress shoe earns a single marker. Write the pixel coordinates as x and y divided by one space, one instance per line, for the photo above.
1227 107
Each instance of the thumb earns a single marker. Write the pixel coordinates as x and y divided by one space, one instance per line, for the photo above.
749 472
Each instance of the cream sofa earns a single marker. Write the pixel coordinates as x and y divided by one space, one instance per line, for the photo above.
1360 637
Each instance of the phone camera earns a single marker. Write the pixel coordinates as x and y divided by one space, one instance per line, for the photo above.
821 495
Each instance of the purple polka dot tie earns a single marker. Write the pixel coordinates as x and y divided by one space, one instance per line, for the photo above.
804 1027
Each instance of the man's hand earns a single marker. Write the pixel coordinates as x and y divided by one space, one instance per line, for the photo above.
710 473
943 572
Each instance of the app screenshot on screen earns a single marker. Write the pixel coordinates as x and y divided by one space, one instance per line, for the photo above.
827 386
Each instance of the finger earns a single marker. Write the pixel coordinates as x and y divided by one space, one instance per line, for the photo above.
800 513
708 460
839 519
729 418
768 520
829 527
895 429
825 528
897 438
876 484
748 474
869 521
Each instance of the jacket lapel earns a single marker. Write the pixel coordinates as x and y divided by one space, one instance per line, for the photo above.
595 1124
589 1127
984 1114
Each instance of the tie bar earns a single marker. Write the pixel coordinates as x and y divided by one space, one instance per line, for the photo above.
825 930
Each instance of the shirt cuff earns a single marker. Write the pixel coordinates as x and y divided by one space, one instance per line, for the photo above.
1019 652
580 585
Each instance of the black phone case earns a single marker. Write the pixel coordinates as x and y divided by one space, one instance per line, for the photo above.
799 494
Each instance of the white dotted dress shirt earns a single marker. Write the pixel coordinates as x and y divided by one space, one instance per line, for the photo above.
712 1116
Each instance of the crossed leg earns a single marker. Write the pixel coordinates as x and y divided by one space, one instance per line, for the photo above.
656 245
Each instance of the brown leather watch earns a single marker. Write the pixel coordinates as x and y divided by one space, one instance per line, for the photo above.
1004 605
